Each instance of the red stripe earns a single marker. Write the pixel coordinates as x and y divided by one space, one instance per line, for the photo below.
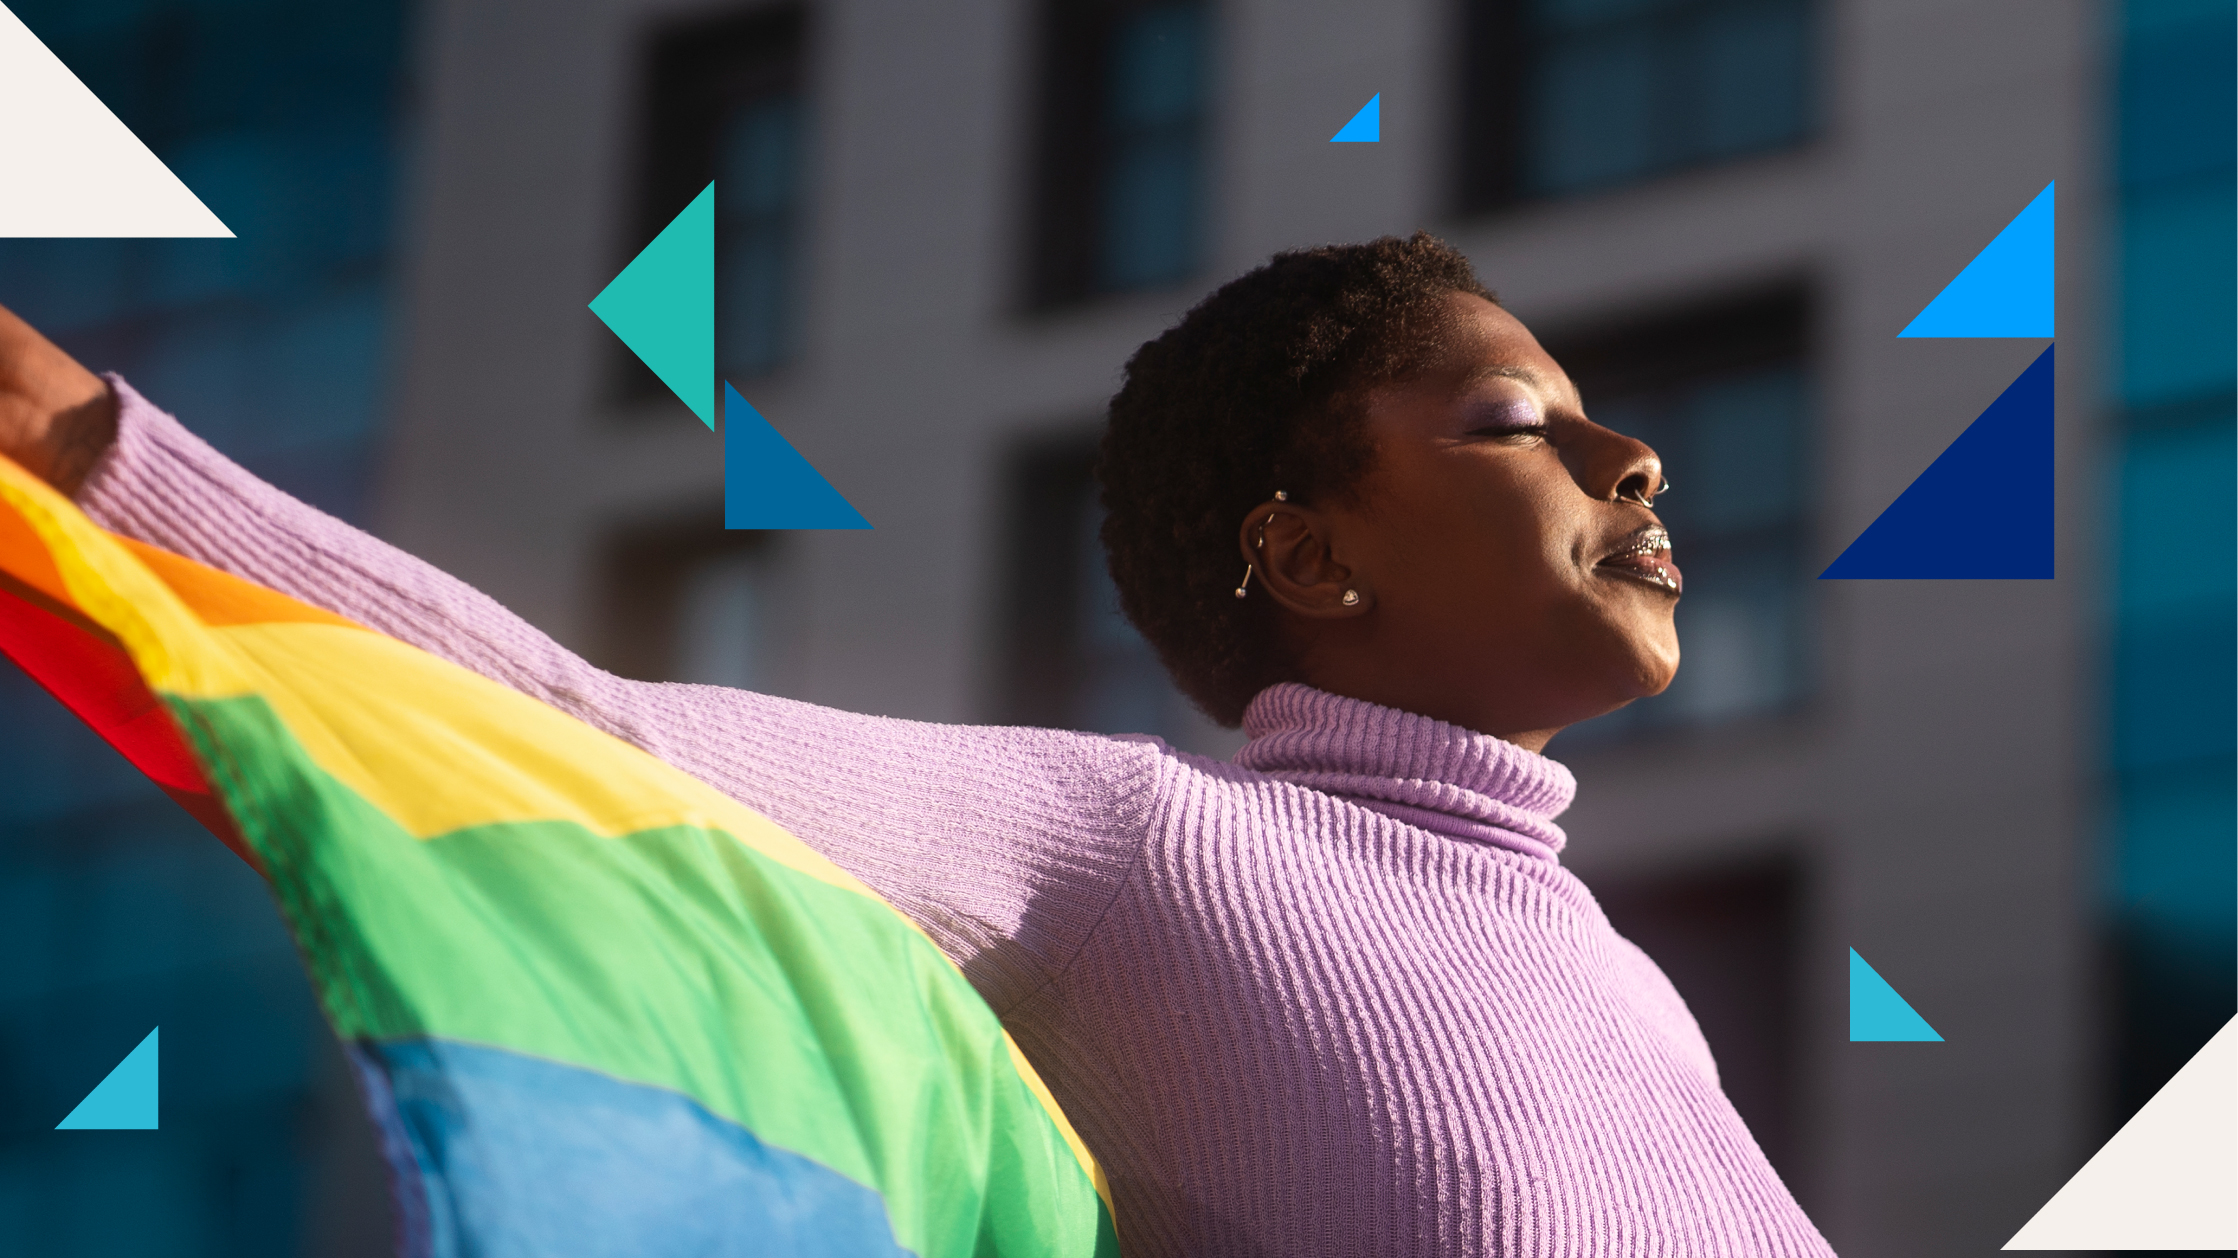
93 677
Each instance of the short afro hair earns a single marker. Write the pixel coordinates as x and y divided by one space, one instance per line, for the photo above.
1258 388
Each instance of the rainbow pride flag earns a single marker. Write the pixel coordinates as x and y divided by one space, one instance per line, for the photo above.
597 1007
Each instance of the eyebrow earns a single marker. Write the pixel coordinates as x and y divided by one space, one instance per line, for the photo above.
1519 371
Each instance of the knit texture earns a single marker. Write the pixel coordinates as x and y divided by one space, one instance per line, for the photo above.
1336 997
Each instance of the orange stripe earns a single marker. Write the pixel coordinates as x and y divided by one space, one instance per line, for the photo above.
220 598
25 557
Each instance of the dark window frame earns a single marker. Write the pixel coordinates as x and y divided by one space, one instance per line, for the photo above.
643 568
1665 350
691 72
1074 147
1496 57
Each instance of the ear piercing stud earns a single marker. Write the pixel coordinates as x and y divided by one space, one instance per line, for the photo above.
1279 496
1351 598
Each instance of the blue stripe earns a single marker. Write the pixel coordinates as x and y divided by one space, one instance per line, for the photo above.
498 1154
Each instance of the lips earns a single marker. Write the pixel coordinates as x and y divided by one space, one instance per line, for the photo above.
1644 556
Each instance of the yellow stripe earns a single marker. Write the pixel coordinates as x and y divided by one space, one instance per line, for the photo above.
440 748
435 746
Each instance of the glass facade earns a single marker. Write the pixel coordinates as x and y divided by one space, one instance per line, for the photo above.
2170 878
118 913
726 101
757 211
1572 96
1154 168
1122 170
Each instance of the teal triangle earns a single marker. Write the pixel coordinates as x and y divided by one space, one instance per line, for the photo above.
125 1101
662 305
2006 290
766 484
1876 1012
1366 126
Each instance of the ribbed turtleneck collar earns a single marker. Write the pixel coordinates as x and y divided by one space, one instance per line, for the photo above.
1413 768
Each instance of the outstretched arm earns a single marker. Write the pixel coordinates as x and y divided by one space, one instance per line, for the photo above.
1006 845
56 418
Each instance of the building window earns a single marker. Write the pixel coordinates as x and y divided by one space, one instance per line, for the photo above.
1072 659
1722 392
1122 162
1727 936
1570 96
726 103
692 601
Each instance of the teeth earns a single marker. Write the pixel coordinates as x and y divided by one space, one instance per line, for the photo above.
1647 545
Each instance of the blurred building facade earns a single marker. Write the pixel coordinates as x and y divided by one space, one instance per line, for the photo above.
943 228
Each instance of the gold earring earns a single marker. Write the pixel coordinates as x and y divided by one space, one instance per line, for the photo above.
1351 598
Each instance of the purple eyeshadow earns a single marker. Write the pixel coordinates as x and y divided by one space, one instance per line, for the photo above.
1505 413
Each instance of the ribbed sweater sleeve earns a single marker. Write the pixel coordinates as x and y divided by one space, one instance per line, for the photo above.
1006 844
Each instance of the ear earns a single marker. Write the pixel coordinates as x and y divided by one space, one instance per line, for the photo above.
1290 551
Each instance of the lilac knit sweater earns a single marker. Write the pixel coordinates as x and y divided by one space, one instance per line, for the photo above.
1337 997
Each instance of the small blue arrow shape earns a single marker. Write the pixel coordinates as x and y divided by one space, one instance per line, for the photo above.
125 1101
1876 1012
1366 126
767 484
2007 289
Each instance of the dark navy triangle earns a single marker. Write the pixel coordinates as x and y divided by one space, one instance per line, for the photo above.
766 484
1982 509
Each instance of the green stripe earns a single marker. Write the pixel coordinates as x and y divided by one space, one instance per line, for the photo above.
677 957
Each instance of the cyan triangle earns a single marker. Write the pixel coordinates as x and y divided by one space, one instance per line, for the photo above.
1982 509
662 305
1366 126
125 1101
1876 1012
766 484
2006 290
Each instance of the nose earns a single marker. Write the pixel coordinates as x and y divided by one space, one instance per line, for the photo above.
1608 465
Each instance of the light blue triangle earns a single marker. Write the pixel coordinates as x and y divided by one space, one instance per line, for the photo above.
125 1101
2006 290
766 484
1366 126
1876 1012
662 305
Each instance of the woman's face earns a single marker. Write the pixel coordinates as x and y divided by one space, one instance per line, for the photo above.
1507 580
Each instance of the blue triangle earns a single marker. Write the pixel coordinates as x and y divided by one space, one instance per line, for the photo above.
125 1101
1876 1012
1366 126
662 305
766 484
1982 509
2006 290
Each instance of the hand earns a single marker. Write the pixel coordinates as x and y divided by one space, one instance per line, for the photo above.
56 418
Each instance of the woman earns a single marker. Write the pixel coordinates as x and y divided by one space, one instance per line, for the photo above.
1336 997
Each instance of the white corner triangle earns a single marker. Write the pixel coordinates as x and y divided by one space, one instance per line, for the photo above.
2168 1179
72 168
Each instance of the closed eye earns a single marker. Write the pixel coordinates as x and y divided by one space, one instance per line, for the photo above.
1525 430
